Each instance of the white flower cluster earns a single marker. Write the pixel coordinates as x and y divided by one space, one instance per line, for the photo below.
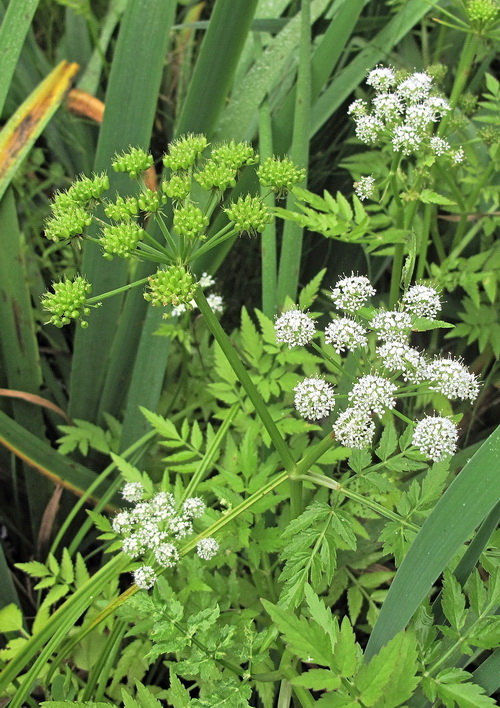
374 394
401 114
215 301
152 527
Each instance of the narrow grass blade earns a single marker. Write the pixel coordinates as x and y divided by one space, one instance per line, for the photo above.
468 500
239 117
128 119
488 674
15 26
9 593
353 74
215 67
24 127
43 458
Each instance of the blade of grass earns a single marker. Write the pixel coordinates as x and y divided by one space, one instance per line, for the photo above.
44 459
467 501
15 25
18 345
215 67
353 74
239 117
291 247
25 126
128 119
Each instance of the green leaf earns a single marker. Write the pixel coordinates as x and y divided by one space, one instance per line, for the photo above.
322 615
317 680
449 686
34 568
347 652
354 603
388 442
423 324
11 618
305 640
74 704
388 680
310 291
457 513
453 601
427 196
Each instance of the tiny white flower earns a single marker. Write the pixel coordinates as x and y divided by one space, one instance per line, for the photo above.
179 310
180 526
163 505
207 548
439 146
415 88
193 508
314 398
435 437
122 522
143 511
391 325
419 115
144 577
206 281
365 187
133 491
150 534
294 328
216 303
406 138
132 546
422 301
373 393
354 428
351 292
439 105
398 356
452 378
345 333
458 156
357 108
368 128
381 78
387 107
166 554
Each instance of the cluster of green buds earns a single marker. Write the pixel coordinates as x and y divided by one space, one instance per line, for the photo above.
198 176
68 301
482 14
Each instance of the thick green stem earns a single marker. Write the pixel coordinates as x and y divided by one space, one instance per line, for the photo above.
291 249
117 291
234 361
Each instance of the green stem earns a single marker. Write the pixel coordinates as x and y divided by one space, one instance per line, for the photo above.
424 242
291 249
166 233
117 291
234 361
366 501
227 232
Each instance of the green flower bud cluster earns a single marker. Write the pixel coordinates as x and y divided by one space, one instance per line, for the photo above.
482 12
279 174
190 221
135 162
490 134
184 152
69 222
234 155
121 240
468 103
84 189
150 201
178 186
249 214
67 302
437 72
173 286
216 175
122 209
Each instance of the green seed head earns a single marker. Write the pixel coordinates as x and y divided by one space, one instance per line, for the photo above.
216 175
135 162
173 286
234 155
65 224
184 152
122 209
67 302
121 240
178 186
189 221
85 189
249 214
279 175
150 201
482 12
468 103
